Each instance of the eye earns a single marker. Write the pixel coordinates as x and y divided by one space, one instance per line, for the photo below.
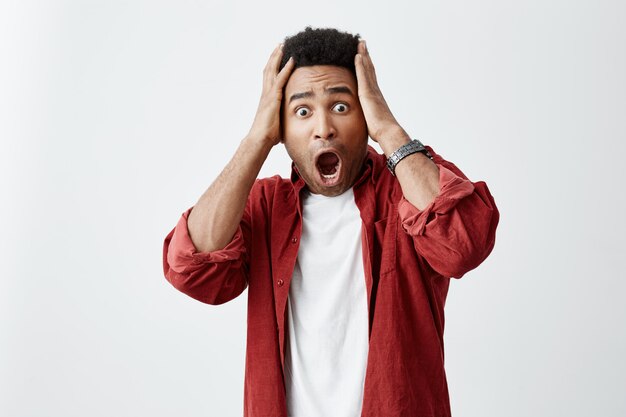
302 111
340 108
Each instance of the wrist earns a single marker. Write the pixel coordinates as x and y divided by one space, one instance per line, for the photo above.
404 151
257 144
393 138
259 140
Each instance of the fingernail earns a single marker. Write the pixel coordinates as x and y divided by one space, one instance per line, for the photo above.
280 45
364 44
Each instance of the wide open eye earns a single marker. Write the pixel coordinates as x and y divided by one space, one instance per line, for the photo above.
340 107
302 112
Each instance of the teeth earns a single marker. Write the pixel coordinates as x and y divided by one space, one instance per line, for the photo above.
331 176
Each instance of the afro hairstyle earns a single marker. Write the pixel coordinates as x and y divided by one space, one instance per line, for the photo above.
321 47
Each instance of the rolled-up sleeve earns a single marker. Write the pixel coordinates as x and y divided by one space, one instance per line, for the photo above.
456 231
211 277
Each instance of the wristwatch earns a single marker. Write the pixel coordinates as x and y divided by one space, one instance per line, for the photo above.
404 151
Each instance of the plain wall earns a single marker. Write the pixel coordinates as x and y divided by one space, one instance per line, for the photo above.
116 116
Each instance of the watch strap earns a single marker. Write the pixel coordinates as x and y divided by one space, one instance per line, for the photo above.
405 150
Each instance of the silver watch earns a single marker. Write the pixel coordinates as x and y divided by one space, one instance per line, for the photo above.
404 151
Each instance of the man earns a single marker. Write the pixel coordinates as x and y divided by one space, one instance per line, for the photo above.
348 262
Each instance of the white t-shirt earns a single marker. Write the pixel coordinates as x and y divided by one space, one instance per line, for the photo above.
327 342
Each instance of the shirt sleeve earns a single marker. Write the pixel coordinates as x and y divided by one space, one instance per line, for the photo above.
211 277
456 231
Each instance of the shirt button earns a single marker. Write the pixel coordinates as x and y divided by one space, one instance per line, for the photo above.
294 240
280 282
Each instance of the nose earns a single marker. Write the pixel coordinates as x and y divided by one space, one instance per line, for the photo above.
324 128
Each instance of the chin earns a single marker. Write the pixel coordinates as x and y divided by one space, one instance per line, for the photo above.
333 192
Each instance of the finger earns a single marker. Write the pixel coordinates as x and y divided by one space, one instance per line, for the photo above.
367 61
362 51
361 78
361 47
369 70
269 71
283 75
366 79
271 58
275 61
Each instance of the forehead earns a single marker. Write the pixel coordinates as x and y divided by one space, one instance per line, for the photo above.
319 77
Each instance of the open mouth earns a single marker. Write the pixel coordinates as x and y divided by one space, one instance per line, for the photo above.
328 165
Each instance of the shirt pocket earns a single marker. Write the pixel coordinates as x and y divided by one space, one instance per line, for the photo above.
386 236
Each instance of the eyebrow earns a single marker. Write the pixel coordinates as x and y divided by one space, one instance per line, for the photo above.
342 89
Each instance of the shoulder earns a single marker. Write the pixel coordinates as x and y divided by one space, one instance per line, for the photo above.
271 183
268 189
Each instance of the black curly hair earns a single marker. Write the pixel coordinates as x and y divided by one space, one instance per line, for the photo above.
322 46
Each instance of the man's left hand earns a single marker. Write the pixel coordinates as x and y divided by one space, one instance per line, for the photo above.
379 119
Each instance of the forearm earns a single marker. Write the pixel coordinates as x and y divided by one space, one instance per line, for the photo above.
417 174
217 214
214 219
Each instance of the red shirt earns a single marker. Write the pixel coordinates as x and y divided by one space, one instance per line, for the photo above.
409 257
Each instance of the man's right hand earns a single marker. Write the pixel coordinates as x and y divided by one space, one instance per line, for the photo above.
266 125
216 216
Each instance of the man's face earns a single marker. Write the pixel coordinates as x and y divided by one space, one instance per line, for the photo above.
324 129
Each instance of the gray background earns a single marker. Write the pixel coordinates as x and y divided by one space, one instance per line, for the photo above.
115 116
